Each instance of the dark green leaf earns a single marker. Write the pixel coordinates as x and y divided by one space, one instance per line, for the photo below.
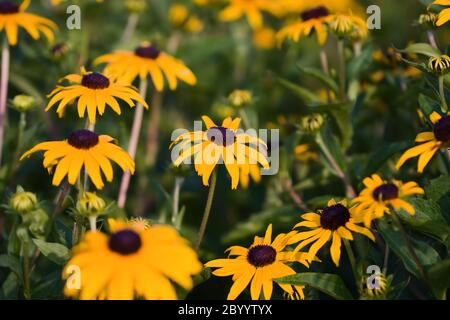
329 284
384 154
322 77
12 263
439 278
55 252
304 94
423 49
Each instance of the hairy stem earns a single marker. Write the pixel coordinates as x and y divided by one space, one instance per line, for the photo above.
132 145
201 231
325 68
342 70
4 92
176 199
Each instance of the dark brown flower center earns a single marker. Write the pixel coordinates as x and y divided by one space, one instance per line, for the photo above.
125 242
83 139
314 13
8 7
442 129
221 136
334 217
261 255
95 80
387 191
147 51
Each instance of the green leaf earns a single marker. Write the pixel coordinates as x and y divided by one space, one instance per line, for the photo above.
427 219
438 190
384 154
425 253
55 252
322 77
360 63
304 94
439 278
12 263
423 49
428 105
327 283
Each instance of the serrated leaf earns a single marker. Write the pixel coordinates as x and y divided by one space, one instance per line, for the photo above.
327 283
423 49
439 278
55 252
425 253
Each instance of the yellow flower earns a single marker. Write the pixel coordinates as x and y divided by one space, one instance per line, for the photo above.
13 16
259 265
247 171
83 148
94 92
220 144
264 38
444 15
239 98
296 6
178 14
138 224
252 9
131 264
430 142
303 153
379 196
314 19
194 24
145 61
335 222
348 25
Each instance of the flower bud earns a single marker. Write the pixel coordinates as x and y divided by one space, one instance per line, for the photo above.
23 202
374 288
428 20
439 64
90 205
312 123
59 50
23 103
136 6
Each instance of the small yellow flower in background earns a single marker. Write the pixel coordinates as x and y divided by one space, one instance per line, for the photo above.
264 38
220 143
380 196
180 17
252 9
347 25
94 92
138 224
23 103
303 153
13 16
430 142
83 148
264 261
194 24
147 60
439 64
444 15
136 6
314 19
335 222
132 263
240 98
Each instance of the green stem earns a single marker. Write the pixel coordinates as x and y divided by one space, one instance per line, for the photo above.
26 272
342 70
244 118
176 200
408 243
4 91
93 223
444 106
325 69
201 232
351 257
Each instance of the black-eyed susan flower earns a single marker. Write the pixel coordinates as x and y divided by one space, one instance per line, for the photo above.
94 91
258 265
222 144
444 15
13 16
249 171
440 64
252 9
312 20
147 60
335 222
83 148
131 263
380 196
429 142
